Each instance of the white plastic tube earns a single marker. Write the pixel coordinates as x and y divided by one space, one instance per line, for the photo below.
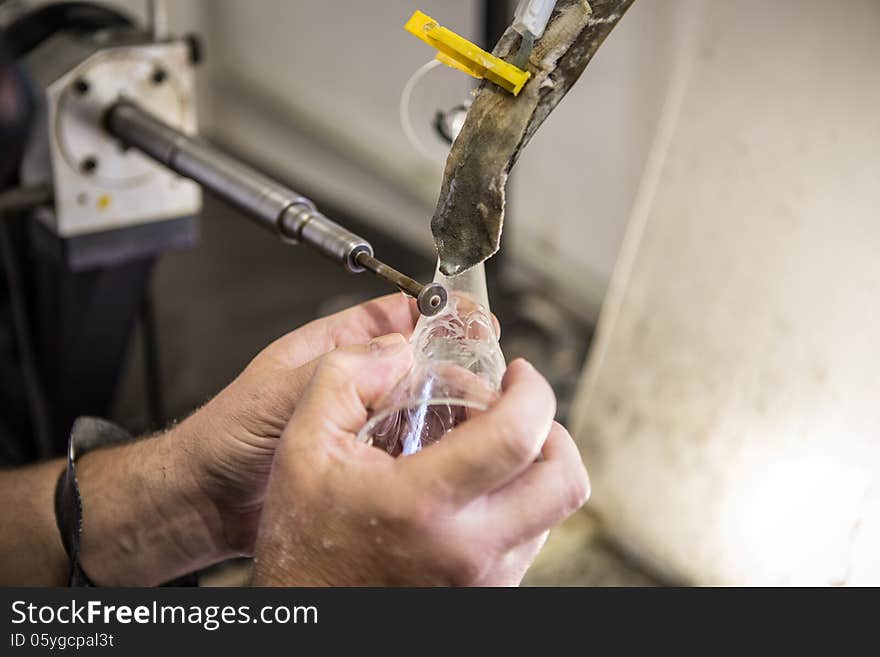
532 16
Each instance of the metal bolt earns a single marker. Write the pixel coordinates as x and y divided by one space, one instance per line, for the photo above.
431 298
88 165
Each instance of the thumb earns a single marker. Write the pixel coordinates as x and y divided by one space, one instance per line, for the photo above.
348 382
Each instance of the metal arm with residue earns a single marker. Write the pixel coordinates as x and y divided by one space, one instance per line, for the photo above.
470 211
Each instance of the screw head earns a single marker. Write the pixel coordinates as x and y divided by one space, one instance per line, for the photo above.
88 165
81 86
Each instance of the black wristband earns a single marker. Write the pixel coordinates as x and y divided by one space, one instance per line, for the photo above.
88 433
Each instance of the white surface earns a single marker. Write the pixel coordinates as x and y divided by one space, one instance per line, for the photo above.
731 414
533 16
573 188
126 188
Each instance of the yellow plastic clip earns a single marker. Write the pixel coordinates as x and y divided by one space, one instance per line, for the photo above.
461 54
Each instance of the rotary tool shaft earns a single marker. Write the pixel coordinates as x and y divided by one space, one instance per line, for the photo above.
271 204
431 298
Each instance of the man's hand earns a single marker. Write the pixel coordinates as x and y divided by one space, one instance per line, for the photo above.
192 496
471 509
232 439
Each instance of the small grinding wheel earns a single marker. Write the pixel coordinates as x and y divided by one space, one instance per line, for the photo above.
432 299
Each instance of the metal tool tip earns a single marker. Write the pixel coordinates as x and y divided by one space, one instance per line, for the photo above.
432 299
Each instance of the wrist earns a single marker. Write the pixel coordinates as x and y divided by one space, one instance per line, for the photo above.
220 456
146 519
183 448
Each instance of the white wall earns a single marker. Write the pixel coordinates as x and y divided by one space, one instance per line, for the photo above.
573 189
731 413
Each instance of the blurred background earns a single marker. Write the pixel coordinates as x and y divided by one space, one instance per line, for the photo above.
689 255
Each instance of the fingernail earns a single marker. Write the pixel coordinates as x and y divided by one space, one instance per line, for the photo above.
386 343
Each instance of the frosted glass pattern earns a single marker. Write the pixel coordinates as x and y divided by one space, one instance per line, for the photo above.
456 372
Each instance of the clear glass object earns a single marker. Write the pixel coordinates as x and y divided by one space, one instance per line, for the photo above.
456 373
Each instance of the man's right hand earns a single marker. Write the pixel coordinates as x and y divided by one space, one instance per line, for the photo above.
472 509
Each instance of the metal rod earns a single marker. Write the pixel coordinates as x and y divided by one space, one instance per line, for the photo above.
430 298
272 205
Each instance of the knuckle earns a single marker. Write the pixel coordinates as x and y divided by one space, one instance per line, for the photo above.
518 443
334 369
395 513
340 330
419 513
524 425
437 490
332 363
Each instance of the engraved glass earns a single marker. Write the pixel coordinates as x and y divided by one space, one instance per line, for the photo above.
456 373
